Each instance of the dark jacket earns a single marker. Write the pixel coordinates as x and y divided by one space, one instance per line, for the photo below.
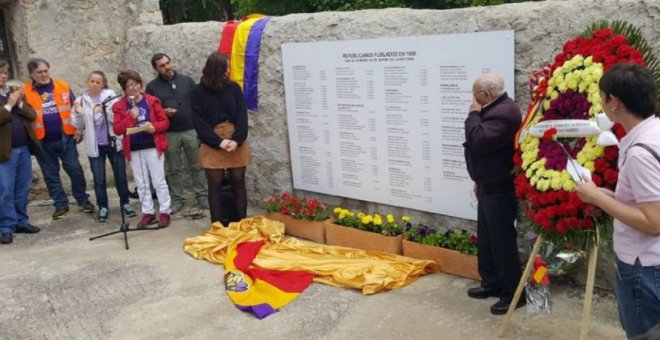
174 94
27 116
157 117
212 107
489 136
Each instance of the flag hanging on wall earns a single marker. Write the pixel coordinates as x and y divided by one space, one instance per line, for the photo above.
241 41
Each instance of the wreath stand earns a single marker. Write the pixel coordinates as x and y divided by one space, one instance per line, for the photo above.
586 309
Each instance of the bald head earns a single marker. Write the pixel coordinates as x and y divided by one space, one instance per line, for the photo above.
487 88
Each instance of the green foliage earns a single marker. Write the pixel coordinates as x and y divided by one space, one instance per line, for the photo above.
203 10
175 11
462 241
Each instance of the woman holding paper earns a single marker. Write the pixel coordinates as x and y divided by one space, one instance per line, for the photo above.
628 95
140 118
95 127
220 119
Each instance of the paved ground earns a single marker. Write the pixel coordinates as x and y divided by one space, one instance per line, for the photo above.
59 285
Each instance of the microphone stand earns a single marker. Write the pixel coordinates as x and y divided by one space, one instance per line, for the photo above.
124 227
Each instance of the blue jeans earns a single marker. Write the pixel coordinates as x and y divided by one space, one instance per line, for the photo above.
15 181
97 164
638 293
49 162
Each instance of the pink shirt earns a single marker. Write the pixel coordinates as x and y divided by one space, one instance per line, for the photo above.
639 182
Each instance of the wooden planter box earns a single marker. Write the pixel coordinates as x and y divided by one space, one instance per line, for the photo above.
309 230
450 261
350 237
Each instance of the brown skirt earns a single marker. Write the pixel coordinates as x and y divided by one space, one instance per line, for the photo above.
210 158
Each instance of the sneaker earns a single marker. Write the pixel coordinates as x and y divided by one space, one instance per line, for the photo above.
102 216
60 213
87 207
28 229
6 238
128 210
164 221
146 220
176 207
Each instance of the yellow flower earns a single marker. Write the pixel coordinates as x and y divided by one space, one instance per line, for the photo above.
556 184
378 220
569 185
553 95
360 215
390 218
590 165
336 210
534 180
546 186
405 219
366 219
350 213
342 215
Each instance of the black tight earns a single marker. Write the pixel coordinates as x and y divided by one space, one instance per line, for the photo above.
215 177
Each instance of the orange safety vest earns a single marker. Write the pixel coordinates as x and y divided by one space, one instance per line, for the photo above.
61 94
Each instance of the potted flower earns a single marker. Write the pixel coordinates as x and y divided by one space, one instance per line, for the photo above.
453 250
302 217
365 231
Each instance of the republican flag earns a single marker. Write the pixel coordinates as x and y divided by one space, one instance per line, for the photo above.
257 290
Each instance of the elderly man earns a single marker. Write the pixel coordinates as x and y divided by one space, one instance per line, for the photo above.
173 90
489 132
17 142
52 99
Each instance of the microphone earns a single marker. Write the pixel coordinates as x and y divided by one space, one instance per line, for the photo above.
109 99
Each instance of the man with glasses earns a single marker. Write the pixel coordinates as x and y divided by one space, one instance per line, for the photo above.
490 128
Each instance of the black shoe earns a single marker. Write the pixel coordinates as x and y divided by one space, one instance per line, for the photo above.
502 306
6 238
134 194
60 213
87 207
28 229
483 292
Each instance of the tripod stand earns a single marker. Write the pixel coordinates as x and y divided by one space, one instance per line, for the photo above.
112 141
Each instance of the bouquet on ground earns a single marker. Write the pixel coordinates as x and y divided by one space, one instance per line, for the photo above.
309 209
462 241
538 288
387 225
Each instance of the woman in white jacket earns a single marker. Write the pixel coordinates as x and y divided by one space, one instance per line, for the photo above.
90 120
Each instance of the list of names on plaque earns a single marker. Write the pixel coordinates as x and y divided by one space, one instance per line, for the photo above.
382 120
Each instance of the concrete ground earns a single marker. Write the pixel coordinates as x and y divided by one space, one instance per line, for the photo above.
59 285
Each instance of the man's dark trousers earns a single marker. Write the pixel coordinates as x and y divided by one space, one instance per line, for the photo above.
499 262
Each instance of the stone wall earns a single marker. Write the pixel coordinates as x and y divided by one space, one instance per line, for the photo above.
76 36
540 29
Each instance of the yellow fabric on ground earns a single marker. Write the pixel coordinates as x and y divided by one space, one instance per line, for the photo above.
369 271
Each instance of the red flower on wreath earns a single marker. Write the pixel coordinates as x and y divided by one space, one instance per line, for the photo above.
554 210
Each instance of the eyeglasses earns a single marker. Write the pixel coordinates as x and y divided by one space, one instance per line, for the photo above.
134 85
475 93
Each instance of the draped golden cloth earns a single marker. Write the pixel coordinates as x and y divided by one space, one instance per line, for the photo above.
369 271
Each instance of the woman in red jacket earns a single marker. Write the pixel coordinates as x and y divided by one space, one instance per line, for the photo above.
140 118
